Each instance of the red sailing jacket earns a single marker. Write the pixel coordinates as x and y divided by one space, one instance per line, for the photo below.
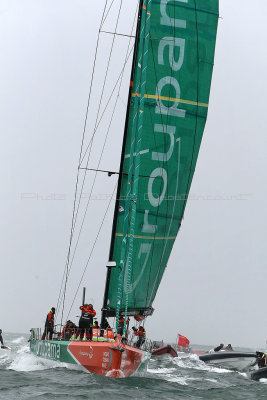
122 320
50 319
141 332
87 310
69 328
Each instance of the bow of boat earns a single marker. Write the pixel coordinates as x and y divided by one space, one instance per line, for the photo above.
112 359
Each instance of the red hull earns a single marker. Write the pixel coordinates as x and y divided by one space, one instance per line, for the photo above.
104 358
164 350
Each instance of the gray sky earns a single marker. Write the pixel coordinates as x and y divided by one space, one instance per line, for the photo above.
214 287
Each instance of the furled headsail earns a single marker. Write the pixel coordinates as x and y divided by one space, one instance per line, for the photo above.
167 114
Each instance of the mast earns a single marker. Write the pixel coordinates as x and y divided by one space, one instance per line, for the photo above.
116 209
83 300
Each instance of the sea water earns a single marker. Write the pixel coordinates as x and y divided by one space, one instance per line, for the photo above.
25 376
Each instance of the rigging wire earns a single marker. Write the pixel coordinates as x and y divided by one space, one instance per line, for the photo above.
85 124
111 4
128 52
108 101
100 103
90 143
87 263
106 73
120 76
65 274
105 17
98 111
108 130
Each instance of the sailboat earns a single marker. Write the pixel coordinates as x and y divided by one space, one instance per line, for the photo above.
166 114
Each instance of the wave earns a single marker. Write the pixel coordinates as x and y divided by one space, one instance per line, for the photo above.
18 340
188 370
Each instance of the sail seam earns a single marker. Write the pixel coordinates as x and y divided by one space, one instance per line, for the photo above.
157 97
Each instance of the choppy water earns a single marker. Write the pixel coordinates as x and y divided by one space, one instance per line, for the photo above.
24 376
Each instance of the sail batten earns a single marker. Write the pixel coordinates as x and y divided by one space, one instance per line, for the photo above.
168 111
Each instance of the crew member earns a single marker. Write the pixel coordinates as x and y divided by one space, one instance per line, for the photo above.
229 347
49 324
218 348
121 325
262 358
106 324
1 338
95 325
86 321
68 330
141 333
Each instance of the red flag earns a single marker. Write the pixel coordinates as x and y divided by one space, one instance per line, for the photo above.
183 341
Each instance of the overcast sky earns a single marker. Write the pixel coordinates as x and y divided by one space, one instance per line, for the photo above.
214 287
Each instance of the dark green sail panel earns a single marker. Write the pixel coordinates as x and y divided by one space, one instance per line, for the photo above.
167 117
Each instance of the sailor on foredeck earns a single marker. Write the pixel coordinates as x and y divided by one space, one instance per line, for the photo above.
86 321
49 324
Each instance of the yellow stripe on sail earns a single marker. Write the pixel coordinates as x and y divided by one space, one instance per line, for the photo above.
154 96
150 237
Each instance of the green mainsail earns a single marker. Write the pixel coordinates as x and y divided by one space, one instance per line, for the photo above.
167 116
